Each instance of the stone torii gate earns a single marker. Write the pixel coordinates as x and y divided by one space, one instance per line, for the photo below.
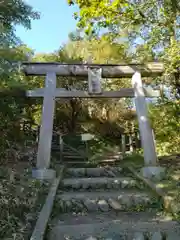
93 73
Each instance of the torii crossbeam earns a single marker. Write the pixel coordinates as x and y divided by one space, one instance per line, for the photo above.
93 72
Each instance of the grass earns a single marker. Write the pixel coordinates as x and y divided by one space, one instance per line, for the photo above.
136 160
170 184
21 198
100 149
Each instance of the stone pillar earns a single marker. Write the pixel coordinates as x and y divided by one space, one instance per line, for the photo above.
150 158
46 129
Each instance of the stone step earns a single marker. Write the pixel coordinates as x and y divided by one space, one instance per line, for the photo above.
104 201
88 218
73 150
74 157
94 172
111 156
89 164
100 182
127 227
71 154
69 151
78 163
55 148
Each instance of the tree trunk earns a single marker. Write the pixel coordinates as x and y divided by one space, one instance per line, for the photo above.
75 106
177 84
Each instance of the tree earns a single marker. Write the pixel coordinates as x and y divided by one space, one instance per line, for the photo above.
18 112
165 121
15 110
152 27
13 12
145 19
100 50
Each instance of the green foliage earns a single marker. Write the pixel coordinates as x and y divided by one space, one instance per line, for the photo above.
120 31
16 112
165 119
172 57
150 20
154 26
20 201
68 112
151 29
14 12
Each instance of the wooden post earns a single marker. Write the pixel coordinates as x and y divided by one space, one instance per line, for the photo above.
137 140
147 139
123 144
61 147
45 139
131 143
87 150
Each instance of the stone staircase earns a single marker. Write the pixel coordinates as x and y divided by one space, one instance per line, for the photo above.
77 156
69 154
107 203
73 155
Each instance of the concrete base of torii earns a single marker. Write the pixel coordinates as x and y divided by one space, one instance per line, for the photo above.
153 172
44 174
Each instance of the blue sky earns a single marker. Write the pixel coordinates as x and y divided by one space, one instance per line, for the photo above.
48 33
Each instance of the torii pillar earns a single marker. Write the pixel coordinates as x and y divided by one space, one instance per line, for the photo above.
151 168
42 170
